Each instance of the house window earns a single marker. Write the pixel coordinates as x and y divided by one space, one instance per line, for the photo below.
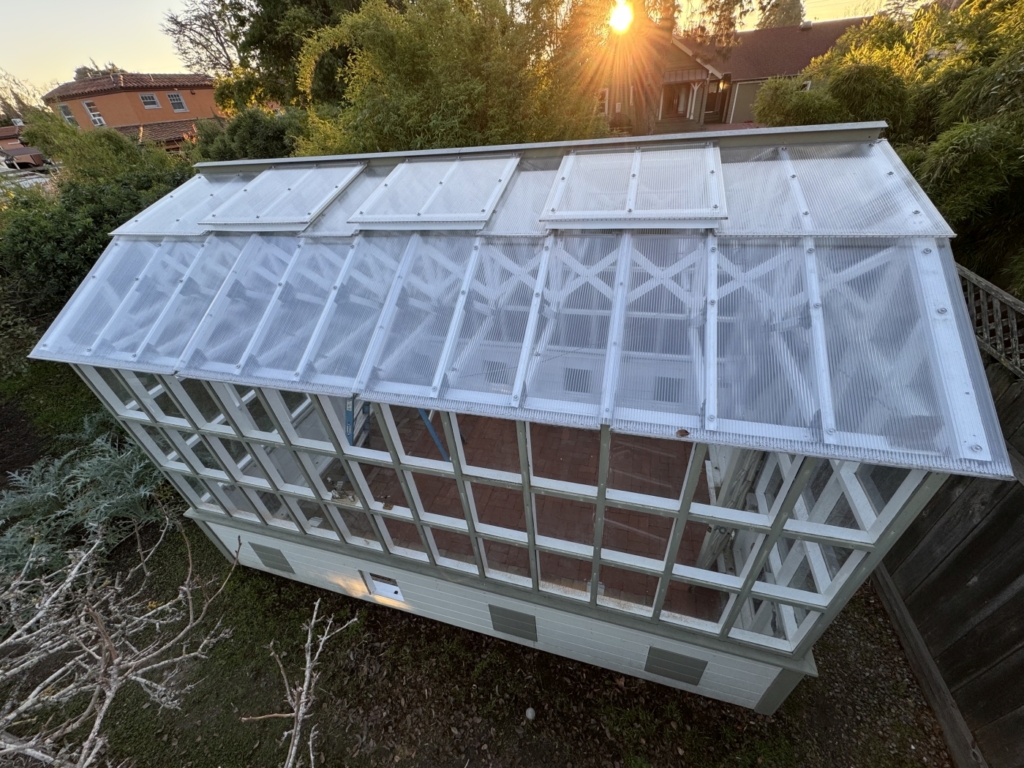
149 100
94 114
65 112
602 102
177 102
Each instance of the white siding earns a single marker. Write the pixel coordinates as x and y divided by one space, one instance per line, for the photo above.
727 677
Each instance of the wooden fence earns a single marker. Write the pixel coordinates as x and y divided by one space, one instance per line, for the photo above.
959 571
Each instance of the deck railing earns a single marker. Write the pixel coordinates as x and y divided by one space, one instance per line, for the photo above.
998 320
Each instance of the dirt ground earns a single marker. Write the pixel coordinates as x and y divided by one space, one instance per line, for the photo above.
399 690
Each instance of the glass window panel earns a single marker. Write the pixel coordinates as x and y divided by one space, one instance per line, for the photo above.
490 443
276 508
636 533
417 439
456 547
691 601
167 451
244 460
358 525
623 589
403 534
765 617
880 483
564 575
522 204
336 481
439 495
502 507
564 519
507 559
287 466
309 426
797 563
205 456
240 505
716 548
315 516
648 465
121 392
203 401
565 453
384 486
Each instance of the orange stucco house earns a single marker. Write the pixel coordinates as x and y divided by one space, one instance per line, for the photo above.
160 108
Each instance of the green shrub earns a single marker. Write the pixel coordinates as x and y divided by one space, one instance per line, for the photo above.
782 101
253 133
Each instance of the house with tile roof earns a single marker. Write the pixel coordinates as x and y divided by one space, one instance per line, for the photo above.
152 107
701 86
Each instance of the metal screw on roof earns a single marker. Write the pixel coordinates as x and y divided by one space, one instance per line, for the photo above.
891 173
629 210
916 213
714 206
976 448
941 310
807 213
419 214
792 175
817 305
810 250
280 284
463 293
360 213
633 176
712 302
712 170
927 250
711 418
831 430
536 295
713 249
563 178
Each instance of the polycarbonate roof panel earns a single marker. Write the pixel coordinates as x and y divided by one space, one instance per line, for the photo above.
854 189
790 334
180 212
282 198
638 189
453 193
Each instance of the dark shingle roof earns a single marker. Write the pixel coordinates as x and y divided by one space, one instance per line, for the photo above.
776 52
172 130
125 81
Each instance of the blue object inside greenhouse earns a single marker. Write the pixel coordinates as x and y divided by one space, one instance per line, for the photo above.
777 295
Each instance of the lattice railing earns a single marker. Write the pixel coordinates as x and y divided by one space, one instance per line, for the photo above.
998 320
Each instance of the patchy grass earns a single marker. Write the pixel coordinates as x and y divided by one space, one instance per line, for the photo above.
400 690
52 396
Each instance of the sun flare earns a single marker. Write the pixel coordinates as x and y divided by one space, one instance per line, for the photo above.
621 16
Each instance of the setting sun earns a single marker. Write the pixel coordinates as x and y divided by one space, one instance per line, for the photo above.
622 16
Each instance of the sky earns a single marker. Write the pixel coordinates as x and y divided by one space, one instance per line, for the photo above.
127 32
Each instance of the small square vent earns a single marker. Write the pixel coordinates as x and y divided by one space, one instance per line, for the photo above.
271 558
576 380
513 623
675 666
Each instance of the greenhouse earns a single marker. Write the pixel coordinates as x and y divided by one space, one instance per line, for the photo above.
658 404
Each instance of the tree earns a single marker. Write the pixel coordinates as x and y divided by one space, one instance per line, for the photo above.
446 73
51 237
949 82
92 69
206 34
74 638
252 133
780 13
